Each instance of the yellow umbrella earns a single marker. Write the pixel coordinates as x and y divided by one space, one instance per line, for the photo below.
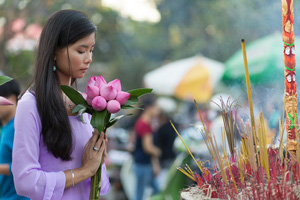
187 79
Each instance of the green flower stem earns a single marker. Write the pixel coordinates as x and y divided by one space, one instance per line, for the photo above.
96 184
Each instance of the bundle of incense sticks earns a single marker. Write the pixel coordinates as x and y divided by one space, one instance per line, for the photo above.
254 171
239 175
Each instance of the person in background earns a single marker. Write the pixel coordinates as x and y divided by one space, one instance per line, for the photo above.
165 137
166 134
11 91
146 154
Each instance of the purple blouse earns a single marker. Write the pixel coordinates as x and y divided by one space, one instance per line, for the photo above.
37 173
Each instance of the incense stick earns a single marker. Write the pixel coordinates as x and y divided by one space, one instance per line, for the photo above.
186 147
249 92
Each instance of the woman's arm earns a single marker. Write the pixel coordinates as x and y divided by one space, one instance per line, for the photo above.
155 165
4 169
30 180
149 147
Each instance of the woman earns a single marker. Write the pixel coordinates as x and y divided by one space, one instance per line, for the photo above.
54 153
146 153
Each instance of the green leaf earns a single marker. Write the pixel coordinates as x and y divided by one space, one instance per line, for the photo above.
130 103
99 120
4 79
130 107
93 120
78 108
80 112
73 95
133 99
107 118
90 110
115 120
139 92
127 107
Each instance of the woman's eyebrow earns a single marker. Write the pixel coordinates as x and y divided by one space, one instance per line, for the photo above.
85 46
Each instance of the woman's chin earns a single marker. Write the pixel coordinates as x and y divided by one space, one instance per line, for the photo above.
79 76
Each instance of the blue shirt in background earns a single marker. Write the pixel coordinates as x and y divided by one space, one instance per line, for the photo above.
7 188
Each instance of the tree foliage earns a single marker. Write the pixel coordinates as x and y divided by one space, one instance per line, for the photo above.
128 49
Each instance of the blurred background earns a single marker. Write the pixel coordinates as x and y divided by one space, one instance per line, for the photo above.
183 49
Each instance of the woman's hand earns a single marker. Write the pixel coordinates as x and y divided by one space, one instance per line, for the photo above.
91 159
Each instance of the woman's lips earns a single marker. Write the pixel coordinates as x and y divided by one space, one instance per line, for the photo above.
84 69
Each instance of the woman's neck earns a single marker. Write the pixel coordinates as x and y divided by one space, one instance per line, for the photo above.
63 79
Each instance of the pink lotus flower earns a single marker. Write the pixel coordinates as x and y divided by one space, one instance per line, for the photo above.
109 92
92 91
92 81
84 95
122 97
4 101
100 82
89 100
99 103
116 83
113 106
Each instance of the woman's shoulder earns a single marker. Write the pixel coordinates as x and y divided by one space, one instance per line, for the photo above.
142 127
27 101
27 96
27 113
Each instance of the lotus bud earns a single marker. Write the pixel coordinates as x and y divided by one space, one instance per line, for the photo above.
84 95
117 84
109 92
92 81
122 97
113 106
100 82
4 101
99 103
92 91
89 100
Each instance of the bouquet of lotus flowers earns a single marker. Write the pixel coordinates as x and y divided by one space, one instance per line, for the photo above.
101 99
4 101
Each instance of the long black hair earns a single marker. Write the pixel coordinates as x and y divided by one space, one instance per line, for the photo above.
63 28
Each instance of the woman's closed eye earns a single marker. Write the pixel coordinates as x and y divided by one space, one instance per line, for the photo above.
82 52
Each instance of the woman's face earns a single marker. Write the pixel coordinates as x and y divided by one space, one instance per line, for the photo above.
80 55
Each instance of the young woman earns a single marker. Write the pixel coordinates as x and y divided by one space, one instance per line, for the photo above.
146 165
54 153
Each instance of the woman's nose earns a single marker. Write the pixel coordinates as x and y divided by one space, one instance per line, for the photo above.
89 57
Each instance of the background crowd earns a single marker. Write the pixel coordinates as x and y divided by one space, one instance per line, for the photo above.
194 46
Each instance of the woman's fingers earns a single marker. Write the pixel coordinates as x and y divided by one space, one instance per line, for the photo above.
94 137
100 141
102 148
